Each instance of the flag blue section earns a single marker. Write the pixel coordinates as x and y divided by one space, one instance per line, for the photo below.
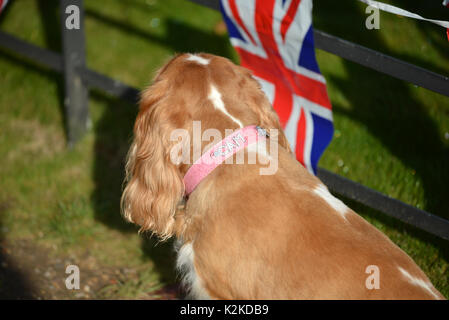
307 57
232 29
323 131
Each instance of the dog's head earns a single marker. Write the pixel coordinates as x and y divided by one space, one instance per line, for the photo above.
201 87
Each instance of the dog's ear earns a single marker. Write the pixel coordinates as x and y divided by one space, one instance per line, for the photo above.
268 118
153 183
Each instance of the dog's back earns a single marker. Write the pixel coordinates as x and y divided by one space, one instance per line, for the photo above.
284 236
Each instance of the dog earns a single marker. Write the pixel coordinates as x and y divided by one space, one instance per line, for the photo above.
240 234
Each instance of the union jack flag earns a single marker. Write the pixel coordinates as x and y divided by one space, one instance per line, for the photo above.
274 39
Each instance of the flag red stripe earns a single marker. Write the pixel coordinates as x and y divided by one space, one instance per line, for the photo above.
264 28
301 137
288 19
237 17
283 103
299 84
311 89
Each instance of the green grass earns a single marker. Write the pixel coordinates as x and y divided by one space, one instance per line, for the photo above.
389 135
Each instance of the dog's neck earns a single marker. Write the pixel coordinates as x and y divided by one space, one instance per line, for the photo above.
221 151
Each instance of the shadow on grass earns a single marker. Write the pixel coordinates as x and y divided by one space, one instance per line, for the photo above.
436 37
113 133
180 37
404 128
49 15
14 284
112 136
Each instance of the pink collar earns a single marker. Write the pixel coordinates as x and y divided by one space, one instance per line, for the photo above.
220 152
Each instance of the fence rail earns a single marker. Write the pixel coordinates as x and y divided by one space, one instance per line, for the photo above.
78 79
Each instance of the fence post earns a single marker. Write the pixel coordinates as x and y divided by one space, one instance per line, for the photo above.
74 60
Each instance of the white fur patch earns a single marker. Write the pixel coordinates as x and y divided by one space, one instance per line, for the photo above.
335 203
198 59
419 282
215 97
190 279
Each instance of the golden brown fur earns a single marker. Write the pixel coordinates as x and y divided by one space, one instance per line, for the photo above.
253 236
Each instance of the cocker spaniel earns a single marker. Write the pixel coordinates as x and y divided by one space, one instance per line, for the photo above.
243 234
